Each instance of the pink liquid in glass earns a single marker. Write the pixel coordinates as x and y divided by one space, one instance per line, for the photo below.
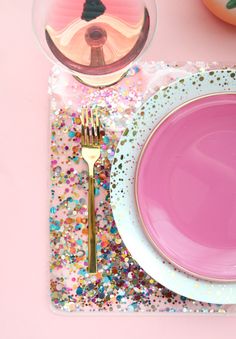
97 50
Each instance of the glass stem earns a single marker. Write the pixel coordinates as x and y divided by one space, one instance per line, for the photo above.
97 56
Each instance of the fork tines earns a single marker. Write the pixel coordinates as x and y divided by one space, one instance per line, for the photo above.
90 126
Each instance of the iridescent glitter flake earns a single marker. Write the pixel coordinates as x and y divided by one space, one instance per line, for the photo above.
120 284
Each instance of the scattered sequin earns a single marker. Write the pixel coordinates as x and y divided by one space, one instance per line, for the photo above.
120 284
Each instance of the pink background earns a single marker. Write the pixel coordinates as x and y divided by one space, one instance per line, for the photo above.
186 31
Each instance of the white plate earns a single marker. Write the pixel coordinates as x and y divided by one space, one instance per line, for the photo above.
122 185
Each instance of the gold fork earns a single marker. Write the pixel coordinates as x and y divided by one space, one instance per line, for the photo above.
90 142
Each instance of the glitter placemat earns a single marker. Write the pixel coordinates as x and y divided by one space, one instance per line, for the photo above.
120 284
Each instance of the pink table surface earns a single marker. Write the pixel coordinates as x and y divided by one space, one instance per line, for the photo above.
186 31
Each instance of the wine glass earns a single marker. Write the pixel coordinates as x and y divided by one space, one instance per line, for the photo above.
95 40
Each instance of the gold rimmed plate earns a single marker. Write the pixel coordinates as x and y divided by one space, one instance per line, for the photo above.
185 187
125 212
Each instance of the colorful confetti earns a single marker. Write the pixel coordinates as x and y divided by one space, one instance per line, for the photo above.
120 285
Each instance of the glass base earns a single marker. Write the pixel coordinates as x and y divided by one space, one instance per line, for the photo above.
101 82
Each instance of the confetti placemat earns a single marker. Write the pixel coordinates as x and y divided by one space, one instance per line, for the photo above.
120 284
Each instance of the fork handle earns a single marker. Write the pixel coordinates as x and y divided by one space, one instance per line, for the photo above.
92 253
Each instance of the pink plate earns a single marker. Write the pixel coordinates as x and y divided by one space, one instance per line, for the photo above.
186 187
